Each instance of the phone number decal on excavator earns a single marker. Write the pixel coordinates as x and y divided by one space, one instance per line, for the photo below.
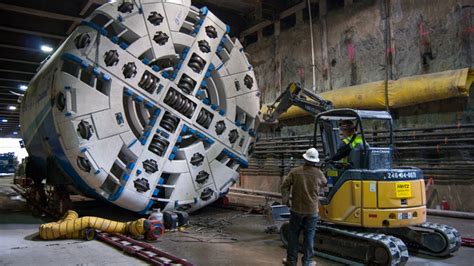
401 175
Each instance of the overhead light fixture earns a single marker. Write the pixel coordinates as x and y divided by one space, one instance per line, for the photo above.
15 133
11 107
23 87
4 120
46 49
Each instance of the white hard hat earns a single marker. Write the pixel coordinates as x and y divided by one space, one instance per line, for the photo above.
311 155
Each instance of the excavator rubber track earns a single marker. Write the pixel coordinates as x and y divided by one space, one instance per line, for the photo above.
432 239
348 246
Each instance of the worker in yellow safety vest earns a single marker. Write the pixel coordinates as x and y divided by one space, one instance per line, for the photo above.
350 141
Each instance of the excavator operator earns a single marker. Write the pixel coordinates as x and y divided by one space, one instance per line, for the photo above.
350 141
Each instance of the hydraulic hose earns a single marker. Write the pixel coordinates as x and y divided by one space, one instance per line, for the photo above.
71 226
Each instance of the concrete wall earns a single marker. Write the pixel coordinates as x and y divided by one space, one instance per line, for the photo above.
427 36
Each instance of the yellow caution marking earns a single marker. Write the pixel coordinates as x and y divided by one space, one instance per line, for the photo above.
403 189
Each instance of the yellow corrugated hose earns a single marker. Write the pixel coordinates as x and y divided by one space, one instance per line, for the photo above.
71 226
403 92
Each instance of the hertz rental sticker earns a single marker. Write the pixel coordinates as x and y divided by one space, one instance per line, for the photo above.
403 189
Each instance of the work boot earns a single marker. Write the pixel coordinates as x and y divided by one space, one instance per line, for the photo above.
313 263
286 263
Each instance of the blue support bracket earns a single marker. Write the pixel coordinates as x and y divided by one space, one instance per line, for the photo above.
164 135
185 129
130 166
173 76
103 32
119 118
117 194
148 105
204 10
114 39
132 143
71 57
199 93
84 64
125 177
209 140
147 133
138 99
128 92
148 207
252 132
152 121
160 87
96 71
105 77
123 46
199 135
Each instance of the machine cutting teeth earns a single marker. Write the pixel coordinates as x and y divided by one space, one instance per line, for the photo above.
136 95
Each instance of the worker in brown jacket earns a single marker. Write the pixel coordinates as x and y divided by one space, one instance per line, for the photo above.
304 183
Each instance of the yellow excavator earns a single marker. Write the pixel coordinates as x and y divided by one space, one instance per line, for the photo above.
370 212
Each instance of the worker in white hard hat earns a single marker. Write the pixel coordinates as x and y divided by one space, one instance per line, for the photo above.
304 183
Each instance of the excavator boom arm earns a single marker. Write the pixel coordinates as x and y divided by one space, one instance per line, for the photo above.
294 94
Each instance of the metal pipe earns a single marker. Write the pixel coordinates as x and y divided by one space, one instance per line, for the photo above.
453 214
388 65
256 192
313 61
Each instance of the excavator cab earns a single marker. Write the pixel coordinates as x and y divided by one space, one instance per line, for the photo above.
364 189
375 150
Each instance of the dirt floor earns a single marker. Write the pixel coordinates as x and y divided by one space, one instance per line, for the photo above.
216 237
